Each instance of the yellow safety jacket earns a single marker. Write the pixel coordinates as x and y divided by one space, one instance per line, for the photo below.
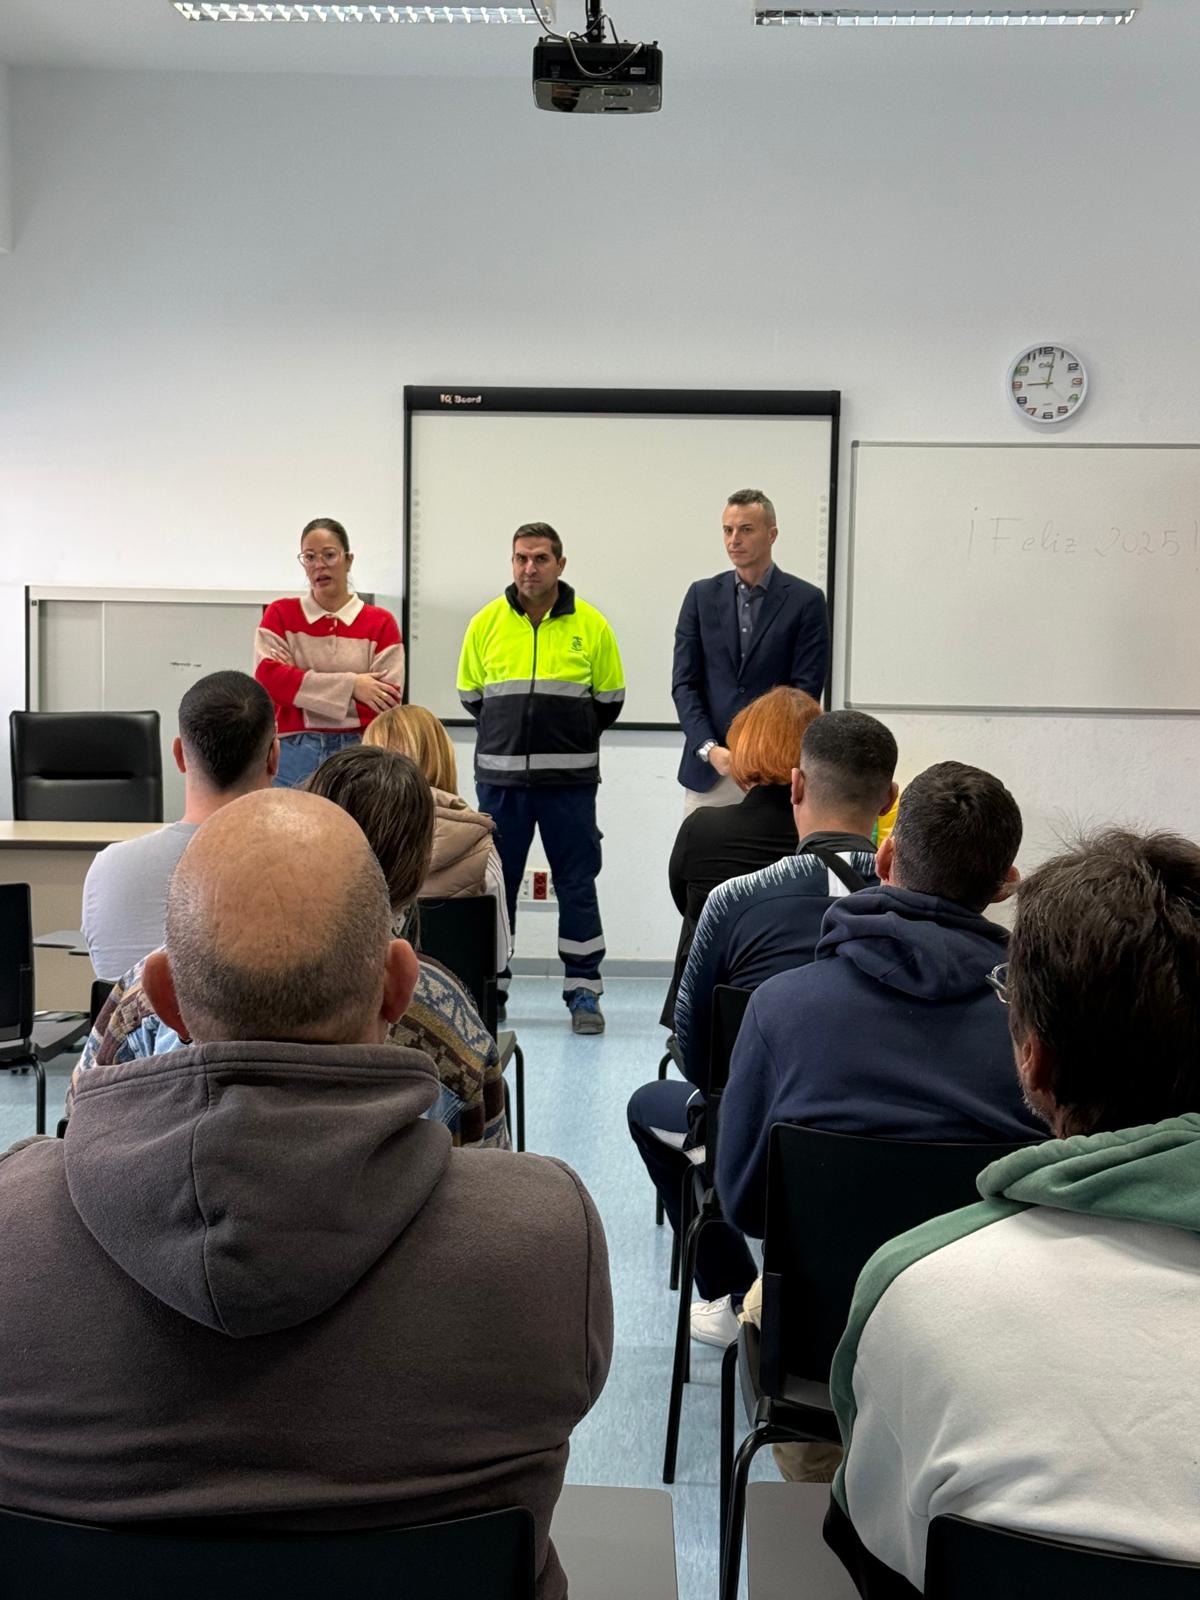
541 696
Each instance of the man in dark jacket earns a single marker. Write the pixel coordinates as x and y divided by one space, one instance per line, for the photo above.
893 1030
258 1288
738 635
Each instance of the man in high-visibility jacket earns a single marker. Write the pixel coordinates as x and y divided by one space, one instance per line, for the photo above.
541 675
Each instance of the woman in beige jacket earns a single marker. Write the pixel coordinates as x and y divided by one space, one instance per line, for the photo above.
465 861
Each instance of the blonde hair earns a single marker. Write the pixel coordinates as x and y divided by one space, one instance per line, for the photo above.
764 738
414 732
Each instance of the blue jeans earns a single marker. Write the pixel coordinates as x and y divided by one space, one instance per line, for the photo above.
302 753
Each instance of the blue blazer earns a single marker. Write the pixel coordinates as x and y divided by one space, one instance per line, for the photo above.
710 685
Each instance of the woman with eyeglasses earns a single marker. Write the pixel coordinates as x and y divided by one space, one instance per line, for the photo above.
330 662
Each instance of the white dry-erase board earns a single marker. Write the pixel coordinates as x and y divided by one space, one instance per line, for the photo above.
1024 577
634 481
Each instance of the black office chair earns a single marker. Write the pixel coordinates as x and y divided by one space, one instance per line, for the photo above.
488 1557
25 1037
461 934
832 1200
700 1204
973 1561
86 766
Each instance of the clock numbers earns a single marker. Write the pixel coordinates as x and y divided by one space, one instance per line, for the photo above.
1047 384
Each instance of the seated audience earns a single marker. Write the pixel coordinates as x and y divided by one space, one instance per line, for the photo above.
715 843
226 747
751 928
259 1291
391 802
465 860
892 1030
1029 1361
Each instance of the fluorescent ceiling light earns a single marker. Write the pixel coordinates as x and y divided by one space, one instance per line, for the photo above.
326 11
927 16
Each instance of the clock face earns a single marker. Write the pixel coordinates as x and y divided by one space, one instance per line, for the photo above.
1047 384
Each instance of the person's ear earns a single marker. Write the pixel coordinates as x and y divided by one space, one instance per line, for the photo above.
893 795
273 759
177 752
1035 1069
797 786
885 860
774 534
399 980
158 984
1011 879
562 566
349 560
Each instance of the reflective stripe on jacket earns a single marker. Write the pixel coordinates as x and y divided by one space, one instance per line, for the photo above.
541 696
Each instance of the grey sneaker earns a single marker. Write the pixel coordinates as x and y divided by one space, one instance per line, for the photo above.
586 1015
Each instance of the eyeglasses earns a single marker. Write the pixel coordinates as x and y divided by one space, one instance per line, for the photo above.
998 978
323 558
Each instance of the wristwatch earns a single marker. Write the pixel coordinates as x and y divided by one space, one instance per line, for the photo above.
704 749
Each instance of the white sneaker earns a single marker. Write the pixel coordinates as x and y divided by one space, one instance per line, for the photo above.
714 1322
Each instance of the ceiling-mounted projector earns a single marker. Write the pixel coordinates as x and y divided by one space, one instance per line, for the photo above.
586 72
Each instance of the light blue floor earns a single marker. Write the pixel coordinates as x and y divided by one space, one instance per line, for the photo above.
576 1090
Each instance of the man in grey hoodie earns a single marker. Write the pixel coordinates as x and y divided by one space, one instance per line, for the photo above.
1030 1361
258 1289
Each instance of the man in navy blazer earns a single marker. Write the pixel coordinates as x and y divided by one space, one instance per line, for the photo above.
738 635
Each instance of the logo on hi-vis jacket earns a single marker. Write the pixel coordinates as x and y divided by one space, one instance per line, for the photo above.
576 643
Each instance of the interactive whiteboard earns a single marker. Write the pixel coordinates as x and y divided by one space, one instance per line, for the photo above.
634 482
1029 577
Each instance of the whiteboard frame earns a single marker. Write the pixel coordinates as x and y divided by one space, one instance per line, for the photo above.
451 398
980 710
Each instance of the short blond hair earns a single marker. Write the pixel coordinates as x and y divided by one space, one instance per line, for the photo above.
414 732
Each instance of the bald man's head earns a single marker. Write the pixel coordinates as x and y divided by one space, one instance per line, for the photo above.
278 923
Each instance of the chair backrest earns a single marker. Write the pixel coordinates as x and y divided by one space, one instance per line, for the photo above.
973 1561
728 1009
461 934
86 766
488 1557
101 989
832 1200
16 962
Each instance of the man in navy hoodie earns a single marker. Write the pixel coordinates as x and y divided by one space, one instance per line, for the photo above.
892 1031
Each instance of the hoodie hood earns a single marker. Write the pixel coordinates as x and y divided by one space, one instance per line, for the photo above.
462 842
250 1186
924 947
1147 1174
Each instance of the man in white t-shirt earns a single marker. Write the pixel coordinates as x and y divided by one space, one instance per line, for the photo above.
226 747
1030 1361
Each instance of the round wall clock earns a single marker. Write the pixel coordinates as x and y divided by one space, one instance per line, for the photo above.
1047 384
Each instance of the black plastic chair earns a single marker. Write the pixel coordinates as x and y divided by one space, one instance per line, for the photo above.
86 766
832 1200
701 1206
974 1561
488 1557
25 1037
461 934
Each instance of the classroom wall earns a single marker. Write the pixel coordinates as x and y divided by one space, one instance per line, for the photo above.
5 160
221 284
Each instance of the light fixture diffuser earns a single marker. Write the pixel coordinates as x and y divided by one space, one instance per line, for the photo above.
899 15
327 11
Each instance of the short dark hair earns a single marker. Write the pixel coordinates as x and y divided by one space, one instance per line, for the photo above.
848 759
753 497
327 525
1104 968
226 723
539 530
389 797
957 833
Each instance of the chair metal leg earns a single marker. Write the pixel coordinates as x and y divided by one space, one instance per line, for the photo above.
731 1562
687 1200
681 1366
729 1362
519 1058
508 1110
40 1074
663 1065
659 1213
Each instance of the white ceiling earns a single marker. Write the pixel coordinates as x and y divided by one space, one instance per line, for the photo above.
712 38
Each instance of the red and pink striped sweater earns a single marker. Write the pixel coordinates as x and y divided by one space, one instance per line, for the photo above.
307 659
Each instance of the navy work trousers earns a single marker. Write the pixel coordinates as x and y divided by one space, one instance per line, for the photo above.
565 816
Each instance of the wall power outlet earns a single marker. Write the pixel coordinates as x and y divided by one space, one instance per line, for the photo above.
537 886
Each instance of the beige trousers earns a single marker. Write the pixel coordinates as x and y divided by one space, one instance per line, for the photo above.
723 793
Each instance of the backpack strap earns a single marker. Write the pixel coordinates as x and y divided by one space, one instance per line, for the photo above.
840 869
